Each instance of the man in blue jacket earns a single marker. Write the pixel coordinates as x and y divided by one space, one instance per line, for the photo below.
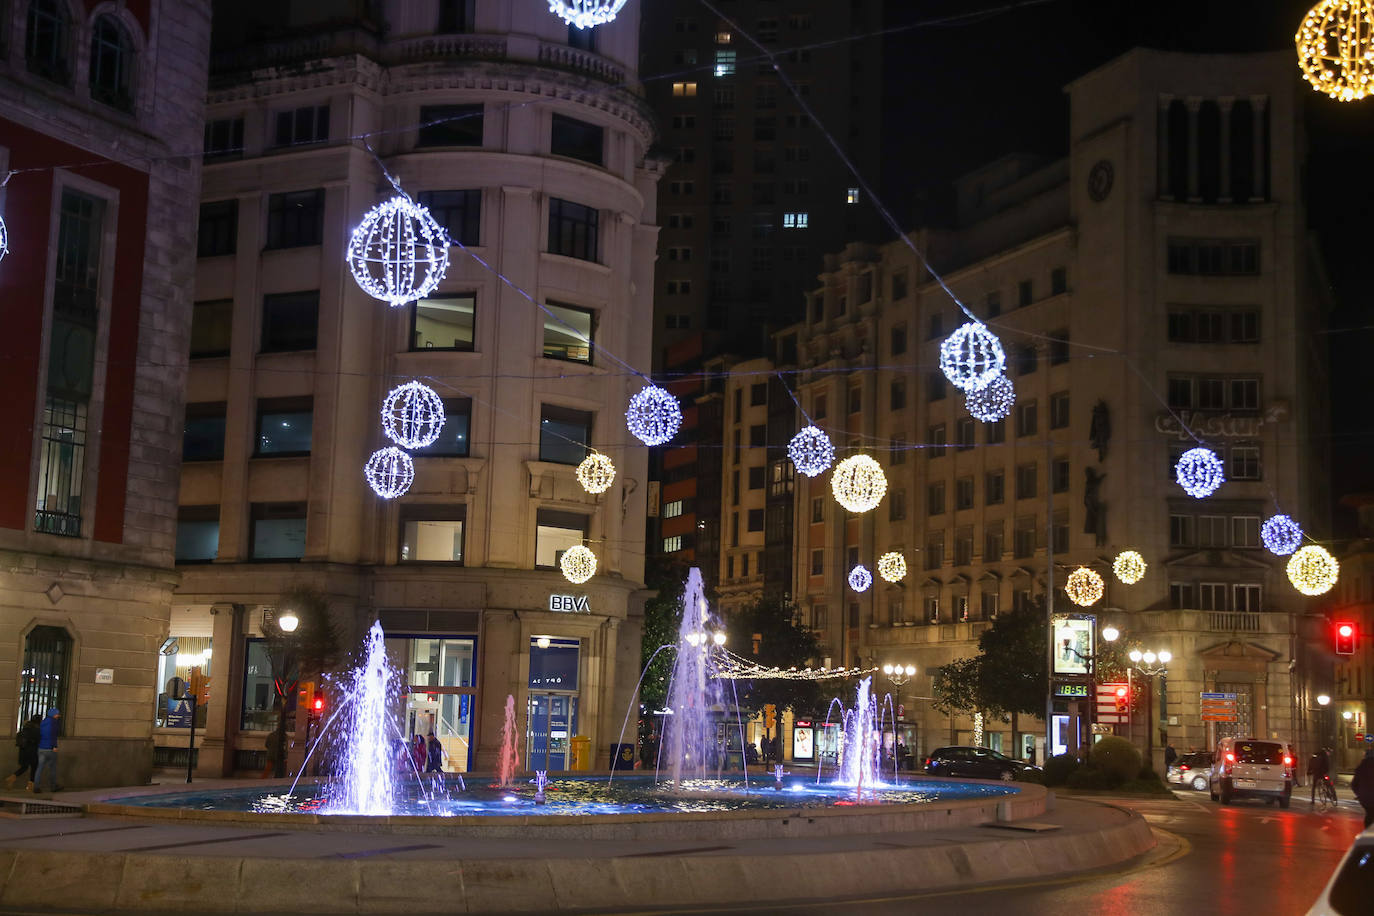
47 750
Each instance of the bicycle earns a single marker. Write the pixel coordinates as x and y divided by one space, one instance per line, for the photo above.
1326 794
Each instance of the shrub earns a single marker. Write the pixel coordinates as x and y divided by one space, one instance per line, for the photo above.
1091 777
1058 768
1035 776
1147 774
1117 758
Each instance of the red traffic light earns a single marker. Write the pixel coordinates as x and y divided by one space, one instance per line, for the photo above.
1122 699
319 704
1346 634
1121 693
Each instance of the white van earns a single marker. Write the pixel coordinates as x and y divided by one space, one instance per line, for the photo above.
1254 767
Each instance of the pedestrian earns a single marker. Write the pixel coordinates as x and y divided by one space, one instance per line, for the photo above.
273 742
901 755
47 750
436 755
419 753
1363 784
1170 755
27 742
1318 768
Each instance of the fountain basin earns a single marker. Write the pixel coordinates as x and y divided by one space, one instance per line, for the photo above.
632 809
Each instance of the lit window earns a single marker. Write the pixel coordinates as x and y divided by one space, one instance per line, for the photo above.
851 196
672 544
725 63
672 509
685 90
795 220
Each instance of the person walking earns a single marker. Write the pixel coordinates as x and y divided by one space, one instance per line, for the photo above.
1318 768
436 755
27 742
47 750
1170 755
1363 785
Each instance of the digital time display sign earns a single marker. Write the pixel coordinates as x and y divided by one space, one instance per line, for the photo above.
1071 690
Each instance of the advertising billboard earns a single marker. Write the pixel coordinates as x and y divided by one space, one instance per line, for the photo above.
1073 644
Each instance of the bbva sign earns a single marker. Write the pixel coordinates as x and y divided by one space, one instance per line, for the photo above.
576 604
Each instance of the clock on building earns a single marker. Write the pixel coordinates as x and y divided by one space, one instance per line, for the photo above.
1100 180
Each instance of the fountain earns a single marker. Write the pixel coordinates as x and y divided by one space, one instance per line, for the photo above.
506 762
690 734
860 759
364 780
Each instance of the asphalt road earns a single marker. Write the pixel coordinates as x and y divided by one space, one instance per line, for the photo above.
1244 859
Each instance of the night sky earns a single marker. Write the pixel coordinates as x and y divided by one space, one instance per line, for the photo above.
970 92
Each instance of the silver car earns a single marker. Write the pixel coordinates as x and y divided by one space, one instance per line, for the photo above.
1251 767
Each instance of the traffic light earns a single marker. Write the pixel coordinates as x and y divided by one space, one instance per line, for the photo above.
317 707
1346 633
1123 699
770 716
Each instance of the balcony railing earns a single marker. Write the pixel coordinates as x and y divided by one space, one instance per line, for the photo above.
583 62
1234 621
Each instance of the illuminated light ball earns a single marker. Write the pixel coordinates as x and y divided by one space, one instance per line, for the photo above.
398 253
585 13
1129 567
1085 587
860 578
1336 48
4 239
578 564
596 473
858 483
972 357
1199 472
811 451
389 472
993 401
654 415
1281 535
1313 570
892 567
413 415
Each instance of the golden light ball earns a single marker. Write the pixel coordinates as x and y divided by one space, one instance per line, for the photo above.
858 483
1129 567
1085 587
1336 48
596 473
578 564
892 567
1313 570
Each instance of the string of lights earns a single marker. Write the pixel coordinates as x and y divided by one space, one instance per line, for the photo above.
729 666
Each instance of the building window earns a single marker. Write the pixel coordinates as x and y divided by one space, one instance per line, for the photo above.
1059 410
284 427
935 386
674 544
672 509
796 220
1181 528
197 534
295 219
1211 531
1245 531
996 432
259 692
817 510
303 125
935 438
211 325
458 212
443 322
896 394
290 321
1245 326
457 16
572 229
935 328
994 303
756 478
450 125
851 196
1025 481
432 534
994 488
565 434
935 550
963 493
1026 419
453 441
1181 595
202 437
578 140
554 533
112 64
1211 596
1059 347
755 520
684 90
1245 394
47 666
223 139
963 434
1026 360
1023 537
896 506
1245 462
1214 257
62 468
990 603
1246 598
568 332
935 499
963 547
897 340
278 531
219 229
932 607
757 435
1024 293
47 50
1059 281
1059 475
992 542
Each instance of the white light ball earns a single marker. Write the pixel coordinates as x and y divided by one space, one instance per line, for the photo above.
811 451
1129 567
596 473
972 357
1085 587
993 401
578 564
1313 570
389 472
585 13
1199 472
4 239
1281 535
860 578
654 415
858 483
398 253
413 415
892 566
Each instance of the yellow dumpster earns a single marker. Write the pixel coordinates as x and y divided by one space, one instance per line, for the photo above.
581 752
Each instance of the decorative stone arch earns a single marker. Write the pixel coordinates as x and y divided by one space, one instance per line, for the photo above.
34 627
1242 667
76 16
138 41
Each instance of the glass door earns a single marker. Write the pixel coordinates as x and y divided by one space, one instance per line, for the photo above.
552 722
440 694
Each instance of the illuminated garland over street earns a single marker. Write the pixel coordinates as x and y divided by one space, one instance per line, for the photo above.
731 667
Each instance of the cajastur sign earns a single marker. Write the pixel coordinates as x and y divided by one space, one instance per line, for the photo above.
1188 424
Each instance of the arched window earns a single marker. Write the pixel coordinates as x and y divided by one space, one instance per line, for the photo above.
112 64
48 42
47 661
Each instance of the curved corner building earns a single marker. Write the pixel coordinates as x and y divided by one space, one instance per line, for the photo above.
528 141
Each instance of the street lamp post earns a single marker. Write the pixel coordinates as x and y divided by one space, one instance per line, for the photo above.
1150 664
898 675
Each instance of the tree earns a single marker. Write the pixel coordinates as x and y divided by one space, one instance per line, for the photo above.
768 633
956 686
1013 675
304 654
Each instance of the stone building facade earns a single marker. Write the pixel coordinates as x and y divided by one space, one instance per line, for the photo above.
100 129
527 140
1160 275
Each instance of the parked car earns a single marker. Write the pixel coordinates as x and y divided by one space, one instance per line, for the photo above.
1251 767
975 762
1352 884
1190 770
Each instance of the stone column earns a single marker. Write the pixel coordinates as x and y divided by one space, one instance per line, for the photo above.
1260 181
1225 104
226 689
1162 166
1194 103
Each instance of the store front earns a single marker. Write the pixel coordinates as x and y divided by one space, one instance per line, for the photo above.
551 719
440 674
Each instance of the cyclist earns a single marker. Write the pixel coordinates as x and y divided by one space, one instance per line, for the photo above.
1319 771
